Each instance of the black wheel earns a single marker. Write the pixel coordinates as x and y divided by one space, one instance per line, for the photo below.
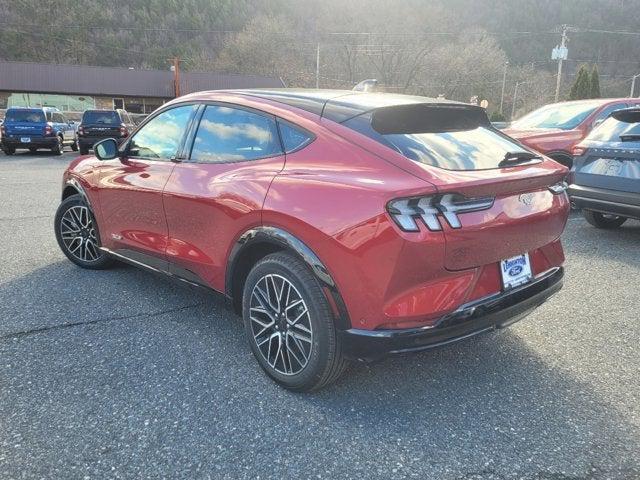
289 324
33 149
603 220
565 160
9 151
84 150
58 149
74 146
77 234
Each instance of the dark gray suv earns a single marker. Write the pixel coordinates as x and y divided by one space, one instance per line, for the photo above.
605 178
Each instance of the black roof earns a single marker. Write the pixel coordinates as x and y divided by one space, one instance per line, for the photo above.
340 105
90 80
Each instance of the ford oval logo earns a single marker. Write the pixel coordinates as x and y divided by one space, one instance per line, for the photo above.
517 270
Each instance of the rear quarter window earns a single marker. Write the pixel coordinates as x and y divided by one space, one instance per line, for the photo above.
450 142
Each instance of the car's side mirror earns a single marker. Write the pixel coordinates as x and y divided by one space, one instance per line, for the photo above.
106 149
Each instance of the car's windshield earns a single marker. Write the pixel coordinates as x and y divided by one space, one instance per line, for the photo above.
564 117
106 117
31 116
620 127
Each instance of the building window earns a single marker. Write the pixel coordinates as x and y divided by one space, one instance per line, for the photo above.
118 103
134 105
66 103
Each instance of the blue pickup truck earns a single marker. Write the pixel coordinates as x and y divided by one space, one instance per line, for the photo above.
34 128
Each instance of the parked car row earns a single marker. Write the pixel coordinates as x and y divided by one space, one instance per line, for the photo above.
47 128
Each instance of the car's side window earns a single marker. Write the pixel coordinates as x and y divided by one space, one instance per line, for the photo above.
608 111
228 134
49 117
161 137
293 138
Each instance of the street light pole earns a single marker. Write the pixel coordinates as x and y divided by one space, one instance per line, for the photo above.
504 83
633 85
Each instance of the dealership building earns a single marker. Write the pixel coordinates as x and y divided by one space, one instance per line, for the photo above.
75 88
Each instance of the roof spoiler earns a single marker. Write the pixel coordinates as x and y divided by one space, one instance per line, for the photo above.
428 118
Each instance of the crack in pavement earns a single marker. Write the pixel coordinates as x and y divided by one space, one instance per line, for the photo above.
34 331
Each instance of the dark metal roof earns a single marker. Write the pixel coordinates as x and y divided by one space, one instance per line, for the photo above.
88 80
340 105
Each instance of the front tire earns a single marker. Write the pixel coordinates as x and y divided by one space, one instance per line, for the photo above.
601 220
74 146
289 324
77 234
84 150
9 151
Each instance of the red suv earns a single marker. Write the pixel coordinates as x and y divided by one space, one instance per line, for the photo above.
341 225
556 128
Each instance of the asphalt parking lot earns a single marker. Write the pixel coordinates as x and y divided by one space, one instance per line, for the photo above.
123 374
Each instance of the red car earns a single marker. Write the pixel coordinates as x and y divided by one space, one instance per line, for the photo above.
341 225
556 128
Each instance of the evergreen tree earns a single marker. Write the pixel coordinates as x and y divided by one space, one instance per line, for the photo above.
581 87
595 83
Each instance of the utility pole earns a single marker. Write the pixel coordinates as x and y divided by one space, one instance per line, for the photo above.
515 99
504 83
318 66
633 85
176 75
561 58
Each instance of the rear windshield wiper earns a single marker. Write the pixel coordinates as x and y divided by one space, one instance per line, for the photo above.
515 158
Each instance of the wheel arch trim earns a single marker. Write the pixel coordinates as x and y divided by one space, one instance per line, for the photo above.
76 185
282 238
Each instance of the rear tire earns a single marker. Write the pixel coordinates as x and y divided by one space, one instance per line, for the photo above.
9 151
58 149
77 234
289 324
33 149
74 146
601 220
84 150
563 160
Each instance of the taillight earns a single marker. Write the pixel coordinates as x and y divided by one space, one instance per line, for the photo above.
48 130
2 130
406 211
123 131
578 151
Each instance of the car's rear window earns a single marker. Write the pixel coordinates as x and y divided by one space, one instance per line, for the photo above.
30 116
565 116
106 117
621 126
451 138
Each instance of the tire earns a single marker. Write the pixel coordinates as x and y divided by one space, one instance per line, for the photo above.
9 151
563 160
601 220
59 148
310 354
74 146
33 149
82 249
84 150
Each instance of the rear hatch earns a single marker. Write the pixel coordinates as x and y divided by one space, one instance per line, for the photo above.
25 123
101 123
610 156
497 199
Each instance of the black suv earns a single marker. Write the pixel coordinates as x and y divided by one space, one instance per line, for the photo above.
606 171
97 125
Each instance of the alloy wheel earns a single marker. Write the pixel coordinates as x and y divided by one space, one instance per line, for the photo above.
281 324
79 234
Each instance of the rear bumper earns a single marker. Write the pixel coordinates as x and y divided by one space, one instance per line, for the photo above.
496 311
36 142
625 204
